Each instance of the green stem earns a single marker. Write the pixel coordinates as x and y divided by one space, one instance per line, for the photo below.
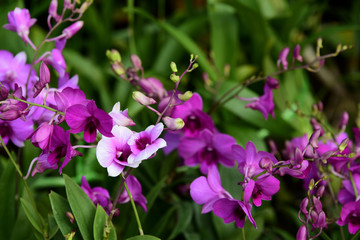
22 177
243 234
134 207
131 31
353 182
39 105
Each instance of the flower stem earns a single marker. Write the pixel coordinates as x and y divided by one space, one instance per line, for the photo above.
39 105
353 182
134 207
243 234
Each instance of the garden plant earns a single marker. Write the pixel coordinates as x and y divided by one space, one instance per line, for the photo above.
144 120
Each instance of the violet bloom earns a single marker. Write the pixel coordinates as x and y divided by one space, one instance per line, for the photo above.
42 164
296 53
264 104
136 192
249 159
69 97
194 118
17 131
347 194
145 144
350 214
119 117
57 61
233 210
20 22
41 137
14 70
97 195
88 118
261 189
113 152
282 58
206 191
152 87
207 149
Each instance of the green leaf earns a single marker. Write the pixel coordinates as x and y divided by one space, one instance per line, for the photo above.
185 213
59 207
99 224
185 41
144 237
53 227
7 210
31 214
81 206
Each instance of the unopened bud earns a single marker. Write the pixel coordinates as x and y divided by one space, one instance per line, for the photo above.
303 205
273 83
266 163
4 93
311 184
175 78
136 62
296 54
85 6
338 49
344 144
191 57
53 10
186 96
325 156
173 67
301 233
10 115
70 216
319 45
72 29
314 138
142 99
174 123
113 55
320 191
344 121
117 69
194 66
68 5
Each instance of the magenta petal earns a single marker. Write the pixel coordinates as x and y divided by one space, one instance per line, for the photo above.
248 190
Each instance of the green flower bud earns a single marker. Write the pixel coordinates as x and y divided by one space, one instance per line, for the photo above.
174 123
113 55
311 184
186 96
344 144
175 78
173 67
118 69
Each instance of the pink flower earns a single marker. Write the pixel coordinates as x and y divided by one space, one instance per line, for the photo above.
119 117
20 22
350 214
145 144
113 152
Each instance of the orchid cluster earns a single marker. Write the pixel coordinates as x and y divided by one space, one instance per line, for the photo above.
61 120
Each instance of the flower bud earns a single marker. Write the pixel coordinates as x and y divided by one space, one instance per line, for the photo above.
311 184
136 62
68 5
320 191
296 53
4 92
186 96
174 123
282 58
298 158
344 121
44 78
273 83
142 99
113 55
53 10
173 67
325 156
85 5
344 144
117 69
303 206
194 66
266 163
10 115
70 216
314 138
72 29
175 78
302 233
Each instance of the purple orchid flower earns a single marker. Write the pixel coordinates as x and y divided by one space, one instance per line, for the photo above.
20 22
88 118
264 103
194 118
233 210
145 144
113 152
261 189
350 214
41 137
14 70
136 192
97 195
347 194
207 149
68 97
206 191
17 131
121 118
